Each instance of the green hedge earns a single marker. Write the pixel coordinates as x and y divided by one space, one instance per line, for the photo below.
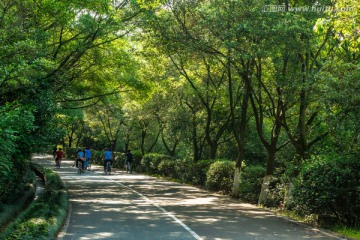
251 181
199 171
151 162
216 175
220 176
330 186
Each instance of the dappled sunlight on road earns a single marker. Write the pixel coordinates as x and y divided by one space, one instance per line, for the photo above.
197 201
134 206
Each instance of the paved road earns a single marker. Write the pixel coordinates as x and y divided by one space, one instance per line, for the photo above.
133 206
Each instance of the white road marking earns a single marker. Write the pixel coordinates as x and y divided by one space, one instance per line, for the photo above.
160 208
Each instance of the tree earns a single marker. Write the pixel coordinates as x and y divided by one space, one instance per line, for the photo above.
45 47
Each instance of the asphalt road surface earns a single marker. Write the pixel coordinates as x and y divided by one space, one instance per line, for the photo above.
134 206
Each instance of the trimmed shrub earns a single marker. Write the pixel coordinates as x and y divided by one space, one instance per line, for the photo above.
167 168
97 157
220 176
185 170
120 160
276 193
199 171
151 162
251 181
330 186
136 164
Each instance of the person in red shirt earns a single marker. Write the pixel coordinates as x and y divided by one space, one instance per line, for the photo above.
59 156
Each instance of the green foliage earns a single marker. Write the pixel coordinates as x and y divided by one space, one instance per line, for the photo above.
176 169
54 187
15 182
351 232
70 152
184 170
251 180
276 194
97 156
44 217
168 168
220 176
137 156
151 162
15 124
200 170
330 185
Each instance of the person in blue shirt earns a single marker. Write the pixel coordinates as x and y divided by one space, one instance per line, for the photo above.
107 157
87 158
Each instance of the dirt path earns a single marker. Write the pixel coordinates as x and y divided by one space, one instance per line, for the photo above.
133 206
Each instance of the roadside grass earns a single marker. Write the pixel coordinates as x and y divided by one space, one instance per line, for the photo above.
45 215
348 232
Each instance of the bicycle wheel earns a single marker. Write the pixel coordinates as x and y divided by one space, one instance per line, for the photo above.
89 165
108 168
57 163
80 171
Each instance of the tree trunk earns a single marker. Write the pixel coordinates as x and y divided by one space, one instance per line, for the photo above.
155 141
142 145
70 142
288 195
213 150
196 149
264 190
237 178
239 134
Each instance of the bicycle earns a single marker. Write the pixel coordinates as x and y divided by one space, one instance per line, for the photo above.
108 168
128 167
80 164
57 163
88 164
80 170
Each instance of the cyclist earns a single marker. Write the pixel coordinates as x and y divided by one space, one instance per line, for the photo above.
87 158
107 157
80 158
59 156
